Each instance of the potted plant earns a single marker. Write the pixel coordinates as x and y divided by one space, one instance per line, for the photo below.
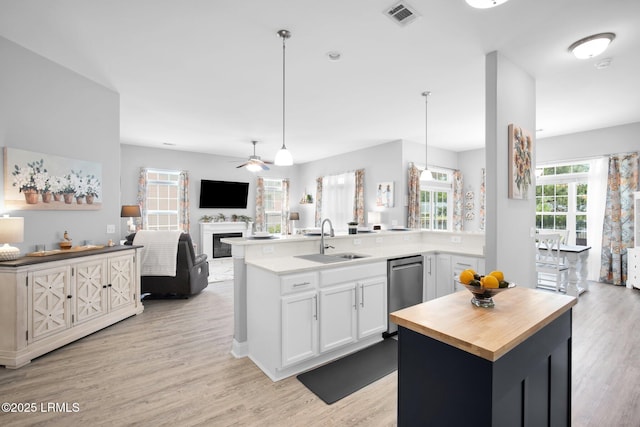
92 188
30 180
206 218
68 188
79 185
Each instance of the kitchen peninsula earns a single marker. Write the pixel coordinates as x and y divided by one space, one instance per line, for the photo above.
508 365
272 281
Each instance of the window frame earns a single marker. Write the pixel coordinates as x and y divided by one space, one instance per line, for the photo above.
433 188
159 212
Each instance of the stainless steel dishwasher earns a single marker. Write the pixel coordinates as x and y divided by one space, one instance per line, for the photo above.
404 280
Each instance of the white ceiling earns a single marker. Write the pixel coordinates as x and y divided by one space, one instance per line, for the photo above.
206 75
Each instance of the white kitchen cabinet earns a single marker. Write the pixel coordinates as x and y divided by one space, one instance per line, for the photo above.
430 277
338 316
444 284
299 327
302 320
372 307
459 263
51 301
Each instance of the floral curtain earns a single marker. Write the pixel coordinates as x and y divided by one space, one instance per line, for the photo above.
318 201
413 220
358 203
142 197
458 201
260 220
482 198
285 225
183 188
617 231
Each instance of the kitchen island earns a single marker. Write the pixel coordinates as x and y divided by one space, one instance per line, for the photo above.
509 365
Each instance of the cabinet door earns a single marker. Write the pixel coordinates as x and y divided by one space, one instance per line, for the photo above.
299 327
90 296
444 284
337 316
372 307
49 310
121 282
633 277
430 278
458 265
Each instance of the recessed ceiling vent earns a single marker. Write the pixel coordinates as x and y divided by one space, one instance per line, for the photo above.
402 13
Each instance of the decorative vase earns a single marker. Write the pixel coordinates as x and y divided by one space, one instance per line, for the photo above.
89 198
80 200
46 197
68 198
57 197
30 196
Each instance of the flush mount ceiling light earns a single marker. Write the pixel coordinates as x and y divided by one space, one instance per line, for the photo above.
426 174
334 56
591 46
485 4
283 156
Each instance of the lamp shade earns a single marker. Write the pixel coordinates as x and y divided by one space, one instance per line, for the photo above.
294 216
130 211
11 229
374 217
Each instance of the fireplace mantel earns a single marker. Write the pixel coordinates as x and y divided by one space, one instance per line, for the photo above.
208 229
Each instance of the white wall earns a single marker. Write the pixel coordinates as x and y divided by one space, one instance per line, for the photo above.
200 166
583 145
510 98
49 109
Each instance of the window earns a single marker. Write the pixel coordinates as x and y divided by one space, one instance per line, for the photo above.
338 196
561 200
162 200
273 205
436 201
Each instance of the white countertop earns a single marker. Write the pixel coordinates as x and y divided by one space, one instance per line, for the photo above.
291 264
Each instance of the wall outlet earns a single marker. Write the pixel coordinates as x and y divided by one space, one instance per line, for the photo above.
357 241
111 229
267 249
456 239
379 240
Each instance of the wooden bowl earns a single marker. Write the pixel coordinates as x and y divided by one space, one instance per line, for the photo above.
65 245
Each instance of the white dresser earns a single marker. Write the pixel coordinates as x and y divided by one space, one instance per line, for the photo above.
633 254
47 302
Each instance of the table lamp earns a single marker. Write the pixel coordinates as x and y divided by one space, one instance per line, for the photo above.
130 211
374 219
11 231
293 217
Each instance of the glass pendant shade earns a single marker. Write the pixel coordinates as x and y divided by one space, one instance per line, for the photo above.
283 157
426 175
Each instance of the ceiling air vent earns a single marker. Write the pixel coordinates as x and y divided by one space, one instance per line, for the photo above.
402 13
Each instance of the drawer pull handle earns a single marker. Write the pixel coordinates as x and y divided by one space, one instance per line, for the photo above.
295 285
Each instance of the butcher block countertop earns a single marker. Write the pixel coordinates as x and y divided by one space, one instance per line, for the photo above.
485 332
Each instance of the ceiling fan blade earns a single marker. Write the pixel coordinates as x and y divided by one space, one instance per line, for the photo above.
242 165
267 162
264 167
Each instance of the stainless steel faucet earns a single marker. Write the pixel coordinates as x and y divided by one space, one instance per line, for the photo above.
332 234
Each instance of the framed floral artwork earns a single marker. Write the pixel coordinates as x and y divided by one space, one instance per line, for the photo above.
38 181
520 162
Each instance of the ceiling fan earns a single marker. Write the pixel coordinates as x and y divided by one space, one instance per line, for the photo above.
255 163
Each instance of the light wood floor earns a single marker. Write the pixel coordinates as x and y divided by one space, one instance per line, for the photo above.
171 366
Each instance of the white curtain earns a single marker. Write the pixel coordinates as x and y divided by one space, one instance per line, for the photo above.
337 199
596 197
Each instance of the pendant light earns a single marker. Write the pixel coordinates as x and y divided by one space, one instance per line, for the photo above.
426 174
283 156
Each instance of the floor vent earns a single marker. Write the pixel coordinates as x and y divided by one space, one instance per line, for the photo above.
402 13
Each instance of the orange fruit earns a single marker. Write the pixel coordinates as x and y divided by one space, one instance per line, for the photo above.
491 282
466 277
497 274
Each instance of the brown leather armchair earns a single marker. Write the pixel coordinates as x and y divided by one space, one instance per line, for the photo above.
192 273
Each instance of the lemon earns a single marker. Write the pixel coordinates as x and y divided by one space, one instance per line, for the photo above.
497 274
491 282
466 277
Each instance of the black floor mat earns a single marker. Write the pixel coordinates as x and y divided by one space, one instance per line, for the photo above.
335 380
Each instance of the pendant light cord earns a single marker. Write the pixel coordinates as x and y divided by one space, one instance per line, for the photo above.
283 89
426 126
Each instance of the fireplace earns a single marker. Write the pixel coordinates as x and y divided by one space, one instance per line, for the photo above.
222 250
220 230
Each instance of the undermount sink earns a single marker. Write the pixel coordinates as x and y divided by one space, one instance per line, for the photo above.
329 258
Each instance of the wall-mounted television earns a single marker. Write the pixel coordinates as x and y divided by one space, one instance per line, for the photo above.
223 194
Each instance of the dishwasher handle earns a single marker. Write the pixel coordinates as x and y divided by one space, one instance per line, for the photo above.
405 266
